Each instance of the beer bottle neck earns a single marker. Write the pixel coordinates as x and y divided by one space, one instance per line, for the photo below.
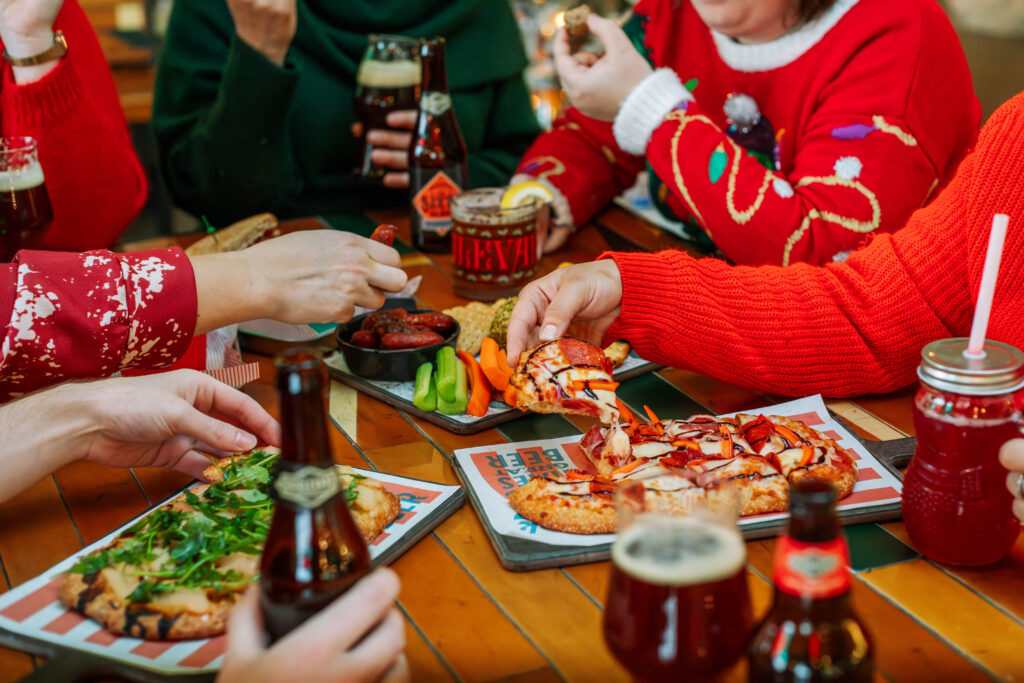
435 76
304 438
813 529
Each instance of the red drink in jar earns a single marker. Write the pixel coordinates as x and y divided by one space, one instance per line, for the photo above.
955 502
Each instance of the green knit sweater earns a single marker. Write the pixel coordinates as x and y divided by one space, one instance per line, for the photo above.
239 135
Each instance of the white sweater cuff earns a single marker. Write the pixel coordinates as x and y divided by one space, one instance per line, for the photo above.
646 107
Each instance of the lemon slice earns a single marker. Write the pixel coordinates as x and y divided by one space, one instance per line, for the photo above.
522 193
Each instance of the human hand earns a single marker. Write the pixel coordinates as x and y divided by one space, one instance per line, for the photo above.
597 86
358 637
268 26
1011 455
582 300
391 146
319 276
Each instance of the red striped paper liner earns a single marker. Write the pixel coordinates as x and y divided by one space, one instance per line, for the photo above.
237 376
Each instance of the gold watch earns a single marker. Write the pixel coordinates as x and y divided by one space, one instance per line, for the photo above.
55 51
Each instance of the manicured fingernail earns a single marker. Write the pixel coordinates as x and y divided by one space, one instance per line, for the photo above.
548 333
245 441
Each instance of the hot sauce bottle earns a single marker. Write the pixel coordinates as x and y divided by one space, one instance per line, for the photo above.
811 633
437 157
314 551
955 502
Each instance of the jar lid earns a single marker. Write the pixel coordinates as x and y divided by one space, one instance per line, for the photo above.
945 366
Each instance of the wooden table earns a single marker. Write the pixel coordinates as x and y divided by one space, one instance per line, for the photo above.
468 618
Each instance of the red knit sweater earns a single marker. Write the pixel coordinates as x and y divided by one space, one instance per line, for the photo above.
95 182
871 109
846 328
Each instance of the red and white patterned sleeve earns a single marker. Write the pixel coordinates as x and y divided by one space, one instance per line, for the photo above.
90 314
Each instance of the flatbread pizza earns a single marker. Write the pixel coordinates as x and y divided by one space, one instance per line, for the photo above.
177 573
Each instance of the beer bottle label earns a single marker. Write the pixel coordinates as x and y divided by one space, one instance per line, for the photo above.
812 570
435 103
308 487
432 203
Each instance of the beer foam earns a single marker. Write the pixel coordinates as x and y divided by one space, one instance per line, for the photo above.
22 179
401 73
679 551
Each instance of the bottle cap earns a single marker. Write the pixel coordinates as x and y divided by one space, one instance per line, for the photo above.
945 366
812 498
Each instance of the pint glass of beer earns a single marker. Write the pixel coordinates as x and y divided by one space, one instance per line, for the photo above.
678 607
388 80
25 213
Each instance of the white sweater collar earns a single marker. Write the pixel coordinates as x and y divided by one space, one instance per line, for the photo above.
783 50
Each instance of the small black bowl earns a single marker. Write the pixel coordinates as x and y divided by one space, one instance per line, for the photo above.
399 365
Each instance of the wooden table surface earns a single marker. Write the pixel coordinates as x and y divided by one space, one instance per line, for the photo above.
467 618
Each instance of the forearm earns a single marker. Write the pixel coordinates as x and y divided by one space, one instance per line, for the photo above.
42 433
226 291
840 330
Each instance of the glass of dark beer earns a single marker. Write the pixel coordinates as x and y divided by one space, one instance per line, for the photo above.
25 212
678 606
388 80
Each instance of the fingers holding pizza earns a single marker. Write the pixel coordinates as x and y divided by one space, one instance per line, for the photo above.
581 300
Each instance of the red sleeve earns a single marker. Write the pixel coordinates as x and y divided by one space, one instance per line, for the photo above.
78 315
868 157
846 328
580 159
94 179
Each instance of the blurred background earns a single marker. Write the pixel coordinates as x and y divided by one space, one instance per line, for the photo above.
991 32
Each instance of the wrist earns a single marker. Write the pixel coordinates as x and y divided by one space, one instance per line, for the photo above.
646 108
66 432
29 43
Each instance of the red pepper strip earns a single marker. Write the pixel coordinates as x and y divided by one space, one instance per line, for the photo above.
597 487
655 422
626 415
728 448
698 461
808 456
578 474
625 469
510 395
593 384
686 443
788 435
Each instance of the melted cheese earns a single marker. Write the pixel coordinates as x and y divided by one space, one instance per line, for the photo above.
118 582
248 565
183 600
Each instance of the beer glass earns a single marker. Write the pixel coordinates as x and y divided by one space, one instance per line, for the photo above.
388 80
678 606
25 212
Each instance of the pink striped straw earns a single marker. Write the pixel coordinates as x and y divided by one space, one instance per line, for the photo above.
976 345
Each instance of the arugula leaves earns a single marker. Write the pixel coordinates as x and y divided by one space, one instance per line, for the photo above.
171 549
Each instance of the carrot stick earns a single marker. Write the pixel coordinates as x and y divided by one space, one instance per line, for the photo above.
728 448
626 414
655 422
494 363
480 387
509 395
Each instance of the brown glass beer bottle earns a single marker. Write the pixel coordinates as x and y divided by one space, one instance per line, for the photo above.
437 157
314 551
811 633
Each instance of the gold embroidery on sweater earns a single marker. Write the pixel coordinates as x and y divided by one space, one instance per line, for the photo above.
608 154
680 116
900 134
557 167
846 222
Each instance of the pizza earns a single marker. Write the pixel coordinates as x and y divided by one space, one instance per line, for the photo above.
177 573
565 375
761 455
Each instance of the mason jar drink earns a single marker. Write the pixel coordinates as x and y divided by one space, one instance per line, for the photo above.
955 503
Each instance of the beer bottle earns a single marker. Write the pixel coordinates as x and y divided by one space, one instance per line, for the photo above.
437 157
314 551
811 633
